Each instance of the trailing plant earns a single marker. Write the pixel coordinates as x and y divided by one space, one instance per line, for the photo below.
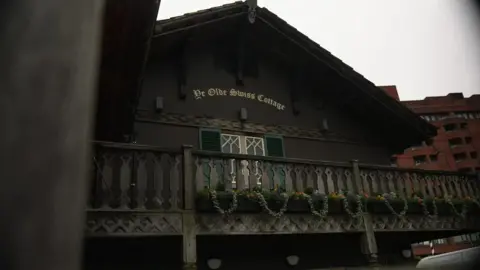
451 201
358 199
216 204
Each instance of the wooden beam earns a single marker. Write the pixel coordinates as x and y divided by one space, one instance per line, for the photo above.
49 53
240 54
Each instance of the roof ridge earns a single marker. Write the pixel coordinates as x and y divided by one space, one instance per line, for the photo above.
199 12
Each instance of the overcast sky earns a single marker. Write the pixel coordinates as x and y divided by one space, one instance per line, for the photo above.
425 47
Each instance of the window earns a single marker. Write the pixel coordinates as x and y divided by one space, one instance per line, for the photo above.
214 140
468 140
419 159
434 158
455 142
449 127
473 155
460 157
463 125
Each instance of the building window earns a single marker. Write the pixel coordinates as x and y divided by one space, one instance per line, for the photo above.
455 142
450 127
434 158
468 140
473 155
460 157
419 159
463 125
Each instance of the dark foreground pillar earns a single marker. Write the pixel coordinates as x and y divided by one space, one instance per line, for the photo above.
48 65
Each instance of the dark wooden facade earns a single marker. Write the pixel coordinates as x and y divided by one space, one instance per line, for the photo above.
291 114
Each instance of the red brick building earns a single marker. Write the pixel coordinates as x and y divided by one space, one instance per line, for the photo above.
457 145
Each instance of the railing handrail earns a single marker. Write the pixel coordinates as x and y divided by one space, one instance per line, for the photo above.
271 159
138 147
412 170
144 147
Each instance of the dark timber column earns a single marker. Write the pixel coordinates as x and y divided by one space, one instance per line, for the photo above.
189 247
48 65
368 241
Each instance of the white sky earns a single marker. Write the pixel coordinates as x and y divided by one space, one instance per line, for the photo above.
425 47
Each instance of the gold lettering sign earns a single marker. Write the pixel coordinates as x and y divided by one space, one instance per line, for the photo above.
214 92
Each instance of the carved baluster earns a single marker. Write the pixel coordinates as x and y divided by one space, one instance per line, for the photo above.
428 183
278 171
298 169
365 184
330 182
389 177
399 181
107 180
125 180
199 174
227 174
266 182
288 178
470 190
416 178
309 170
174 181
142 180
158 176
450 187
458 192
475 187
320 180
443 186
463 186
408 184
252 178
374 180
339 180
241 177
348 178
213 173
382 181
437 186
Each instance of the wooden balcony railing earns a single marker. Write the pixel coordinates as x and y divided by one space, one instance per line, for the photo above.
128 176
242 171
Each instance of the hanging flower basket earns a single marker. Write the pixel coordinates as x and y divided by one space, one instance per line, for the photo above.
473 207
204 203
298 205
378 205
443 208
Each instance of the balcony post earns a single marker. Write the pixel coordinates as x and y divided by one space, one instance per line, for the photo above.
189 247
368 241
356 176
188 181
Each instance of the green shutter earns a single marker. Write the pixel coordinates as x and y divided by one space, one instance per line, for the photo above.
210 140
274 145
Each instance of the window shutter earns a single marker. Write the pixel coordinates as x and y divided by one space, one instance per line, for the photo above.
210 140
274 146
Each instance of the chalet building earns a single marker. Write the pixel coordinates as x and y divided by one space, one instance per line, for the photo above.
246 144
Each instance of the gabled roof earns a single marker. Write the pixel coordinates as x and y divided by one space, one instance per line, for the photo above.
416 129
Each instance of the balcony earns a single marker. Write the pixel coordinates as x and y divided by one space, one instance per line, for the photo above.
144 180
